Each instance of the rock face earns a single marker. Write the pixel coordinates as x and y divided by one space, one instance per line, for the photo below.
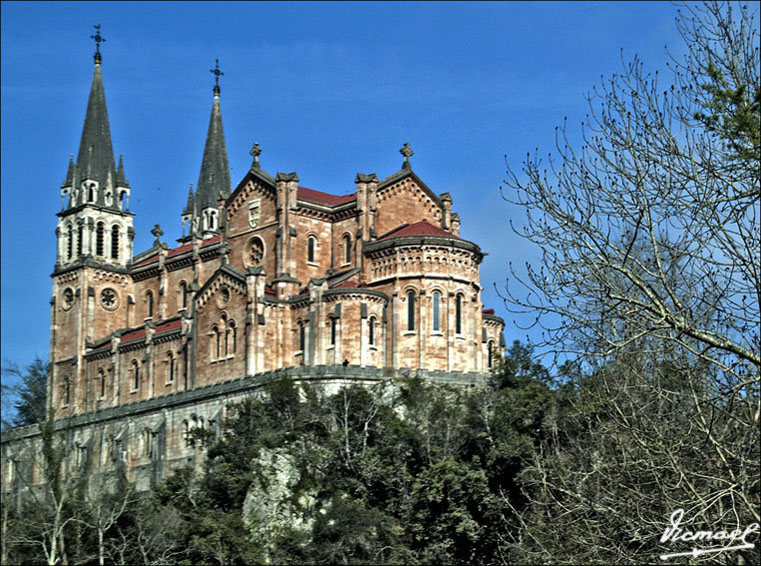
275 504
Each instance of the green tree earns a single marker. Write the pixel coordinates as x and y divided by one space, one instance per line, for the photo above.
27 394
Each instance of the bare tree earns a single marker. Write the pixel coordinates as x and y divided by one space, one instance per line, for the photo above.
651 227
650 277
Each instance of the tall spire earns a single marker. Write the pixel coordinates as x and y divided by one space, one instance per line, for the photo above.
215 169
95 160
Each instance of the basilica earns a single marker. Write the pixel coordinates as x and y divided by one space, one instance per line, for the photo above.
269 277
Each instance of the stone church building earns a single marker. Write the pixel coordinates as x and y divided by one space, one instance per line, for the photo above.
269 278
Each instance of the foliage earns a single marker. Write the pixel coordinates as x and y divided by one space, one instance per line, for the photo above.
397 472
28 395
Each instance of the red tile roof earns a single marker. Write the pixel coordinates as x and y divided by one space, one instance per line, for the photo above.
421 228
488 311
180 250
168 326
132 335
347 285
324 198
151 259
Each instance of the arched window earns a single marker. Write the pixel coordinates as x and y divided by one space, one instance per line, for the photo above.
122 194
80 235
371 330
458 315
135 375
411 310
333 330
171 361
149 303
102 383
186 433
115 241
490 347
217 341
436 309
100 233
311 243
69 242
184 293
347 249
91 193
231 332
302 336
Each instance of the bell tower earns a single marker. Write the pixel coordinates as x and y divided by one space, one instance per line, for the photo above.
94 245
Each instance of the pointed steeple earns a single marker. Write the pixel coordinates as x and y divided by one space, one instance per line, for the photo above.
121 180
215 169
96 155
188 211
70 180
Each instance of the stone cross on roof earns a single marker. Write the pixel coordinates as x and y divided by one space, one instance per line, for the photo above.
98 40
407 152
255 152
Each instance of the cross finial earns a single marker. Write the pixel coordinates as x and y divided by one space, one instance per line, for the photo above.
255 152
157 232
98 40
407 152
216 73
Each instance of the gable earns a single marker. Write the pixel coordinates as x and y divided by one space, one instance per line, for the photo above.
224 278
251 206
405 198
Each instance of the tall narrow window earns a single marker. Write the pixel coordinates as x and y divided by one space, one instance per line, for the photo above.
80 235
310 249
491 353
115 241
231 331
149 302
218 340
436 309
333 329
102 380
347 249
411 310
458 315
184 293
135 376
91 193
121 200
100 234
69 242
302 336
371 330
66 390
170 361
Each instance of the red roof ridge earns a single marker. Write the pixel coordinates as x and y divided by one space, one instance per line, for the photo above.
305 193
422 228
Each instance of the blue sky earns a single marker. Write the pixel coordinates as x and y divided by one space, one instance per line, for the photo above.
327 89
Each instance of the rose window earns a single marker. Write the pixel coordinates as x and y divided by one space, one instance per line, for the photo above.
108 299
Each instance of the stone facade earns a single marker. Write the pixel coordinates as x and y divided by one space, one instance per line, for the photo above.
269 275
